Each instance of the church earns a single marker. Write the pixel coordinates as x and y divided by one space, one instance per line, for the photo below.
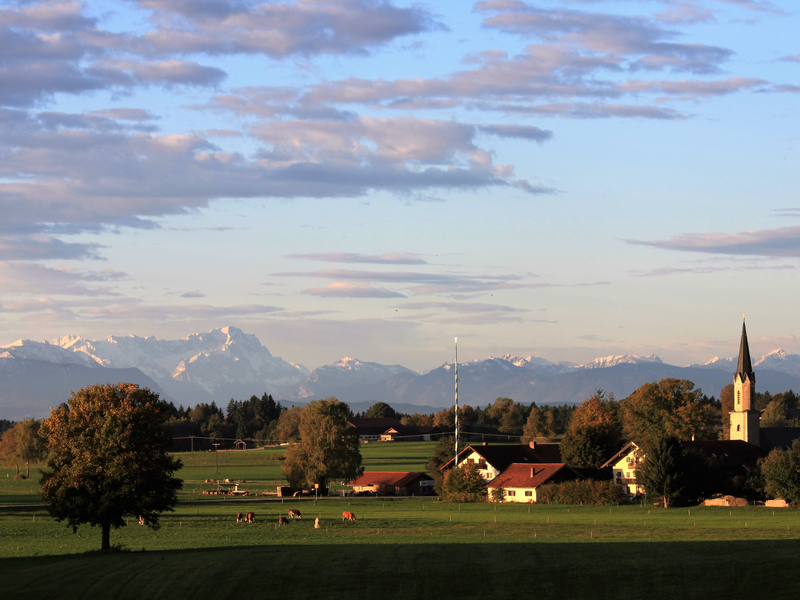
745 418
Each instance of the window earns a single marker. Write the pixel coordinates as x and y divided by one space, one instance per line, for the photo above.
738 397
528 493
738 428
511 493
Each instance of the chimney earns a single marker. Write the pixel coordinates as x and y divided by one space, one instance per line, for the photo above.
531 471
532 444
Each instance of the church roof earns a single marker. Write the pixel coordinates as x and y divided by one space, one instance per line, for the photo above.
745 367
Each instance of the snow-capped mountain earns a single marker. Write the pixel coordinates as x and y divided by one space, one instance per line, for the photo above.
623 359
30 350
200 367
717 363
778 360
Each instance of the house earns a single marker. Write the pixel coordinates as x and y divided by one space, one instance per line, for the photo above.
493 460
623 467
393 483
521 480
390 429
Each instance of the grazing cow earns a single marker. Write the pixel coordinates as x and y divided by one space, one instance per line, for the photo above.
238 517
141 520
316 523
283 521
294 514
348 516
250 518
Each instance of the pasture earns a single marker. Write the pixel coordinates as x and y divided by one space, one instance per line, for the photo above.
400 547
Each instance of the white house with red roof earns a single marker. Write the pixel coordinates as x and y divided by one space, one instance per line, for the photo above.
520 481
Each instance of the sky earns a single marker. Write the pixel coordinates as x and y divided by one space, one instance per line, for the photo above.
371 178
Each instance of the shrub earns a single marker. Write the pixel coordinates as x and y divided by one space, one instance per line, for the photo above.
580 492
463 484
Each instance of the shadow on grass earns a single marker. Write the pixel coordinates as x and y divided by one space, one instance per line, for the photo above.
741 569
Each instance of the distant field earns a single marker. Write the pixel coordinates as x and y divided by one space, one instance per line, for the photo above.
415 547
259 468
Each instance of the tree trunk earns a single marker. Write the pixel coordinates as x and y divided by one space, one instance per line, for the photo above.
106 544
27 468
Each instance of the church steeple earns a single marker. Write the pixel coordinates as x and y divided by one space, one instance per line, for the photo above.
745 420
745 368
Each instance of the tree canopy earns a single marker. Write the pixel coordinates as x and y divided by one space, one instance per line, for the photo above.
108 459
23 444
327 449
463 484
539 425
380 410
594 433
670 407
781 472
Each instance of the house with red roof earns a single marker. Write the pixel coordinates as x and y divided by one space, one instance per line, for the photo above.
393 483
521 480
493 460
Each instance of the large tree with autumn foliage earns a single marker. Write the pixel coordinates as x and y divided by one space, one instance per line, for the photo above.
670 407
594 433
108 459
328 447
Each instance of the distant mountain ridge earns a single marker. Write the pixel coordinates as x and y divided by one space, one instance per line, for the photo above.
227 363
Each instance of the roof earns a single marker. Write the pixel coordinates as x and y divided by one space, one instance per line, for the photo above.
527 475
547 452
376 426
500 457
778 437
624 452
727 453
393 478
745 366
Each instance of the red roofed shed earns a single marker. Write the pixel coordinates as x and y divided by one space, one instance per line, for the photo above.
393 483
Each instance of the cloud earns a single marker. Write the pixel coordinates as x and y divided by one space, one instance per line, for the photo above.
42 247
278 30
462 307
194 294
33 278
665 271
343 289
781 242
755 5
525 132
388 258
424 283
791 58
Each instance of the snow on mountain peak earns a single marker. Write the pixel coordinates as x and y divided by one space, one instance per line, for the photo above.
610 361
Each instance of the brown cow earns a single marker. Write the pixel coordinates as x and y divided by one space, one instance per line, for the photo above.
250 518
294 514
238 517
316 523
348 516
283 521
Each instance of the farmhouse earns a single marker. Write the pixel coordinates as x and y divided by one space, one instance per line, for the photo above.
389 429
520 480
393 483
493 460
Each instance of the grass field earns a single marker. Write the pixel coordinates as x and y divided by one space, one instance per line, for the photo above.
403 548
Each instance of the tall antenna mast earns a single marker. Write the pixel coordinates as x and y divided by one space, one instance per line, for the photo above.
456 364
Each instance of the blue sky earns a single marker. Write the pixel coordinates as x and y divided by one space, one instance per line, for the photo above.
568 179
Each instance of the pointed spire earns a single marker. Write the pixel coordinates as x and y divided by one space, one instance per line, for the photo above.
745 367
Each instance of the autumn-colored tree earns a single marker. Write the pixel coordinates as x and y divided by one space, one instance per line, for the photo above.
594 433
417 420
670 407
23 444
446 418
539 425
328 448
774 414
463 484
108 459
288 429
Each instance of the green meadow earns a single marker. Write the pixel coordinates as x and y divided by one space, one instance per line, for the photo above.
398 547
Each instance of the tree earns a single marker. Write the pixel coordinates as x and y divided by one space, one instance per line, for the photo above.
288 429
23 444
463 484
781 472
380 410
507 414
670 473
670 407
328 448
594 433
538 425
443 452
108 459
774 414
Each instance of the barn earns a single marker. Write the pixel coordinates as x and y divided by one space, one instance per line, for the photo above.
393 483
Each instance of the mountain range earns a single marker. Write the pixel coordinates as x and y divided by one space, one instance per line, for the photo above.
228 363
